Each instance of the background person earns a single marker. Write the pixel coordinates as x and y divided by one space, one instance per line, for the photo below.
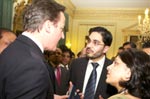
6 37
128 45
66 58
120 49
61 73
67 55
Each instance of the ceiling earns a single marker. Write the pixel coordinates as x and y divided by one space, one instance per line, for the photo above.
111 3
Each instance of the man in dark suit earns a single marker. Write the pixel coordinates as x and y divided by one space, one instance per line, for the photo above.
23 70
61 73
62 88
98 43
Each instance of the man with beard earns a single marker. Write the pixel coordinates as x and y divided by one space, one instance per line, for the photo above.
98 43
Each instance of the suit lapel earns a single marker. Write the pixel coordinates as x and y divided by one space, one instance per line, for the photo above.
83 66
102 83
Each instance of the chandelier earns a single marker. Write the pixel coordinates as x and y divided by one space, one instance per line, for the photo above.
144 27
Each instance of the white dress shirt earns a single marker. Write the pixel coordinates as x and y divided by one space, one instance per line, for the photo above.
89 70
34 40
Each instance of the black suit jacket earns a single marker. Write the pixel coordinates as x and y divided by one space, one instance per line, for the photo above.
64 85
23 72
77 74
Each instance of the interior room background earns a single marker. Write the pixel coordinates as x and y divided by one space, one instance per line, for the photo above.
122 22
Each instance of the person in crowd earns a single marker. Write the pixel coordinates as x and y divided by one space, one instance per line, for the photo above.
94 65
146 47
6 37
130 74
24 71
120 49
61 73
67 55
66 58
128 45
63 47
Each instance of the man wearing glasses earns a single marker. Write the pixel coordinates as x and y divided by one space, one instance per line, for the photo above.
88 74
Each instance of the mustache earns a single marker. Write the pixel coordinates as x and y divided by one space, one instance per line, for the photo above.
88 48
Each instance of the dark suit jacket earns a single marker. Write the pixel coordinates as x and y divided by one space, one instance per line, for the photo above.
23 72
63 88
52 75
77 74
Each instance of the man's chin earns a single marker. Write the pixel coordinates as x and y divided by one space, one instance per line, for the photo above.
92 56
89 55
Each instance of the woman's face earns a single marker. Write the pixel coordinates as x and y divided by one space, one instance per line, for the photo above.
117 71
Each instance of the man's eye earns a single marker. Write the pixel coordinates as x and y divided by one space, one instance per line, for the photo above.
115 62
7 43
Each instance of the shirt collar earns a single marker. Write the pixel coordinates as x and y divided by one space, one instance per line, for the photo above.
100 62
34 40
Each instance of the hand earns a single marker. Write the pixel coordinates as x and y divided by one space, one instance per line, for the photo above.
81 95
60 97
100 97
77 91
70 86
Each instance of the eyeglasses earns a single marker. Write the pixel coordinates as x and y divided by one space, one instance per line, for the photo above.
94 42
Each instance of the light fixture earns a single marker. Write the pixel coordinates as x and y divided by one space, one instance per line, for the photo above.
68 44
144 27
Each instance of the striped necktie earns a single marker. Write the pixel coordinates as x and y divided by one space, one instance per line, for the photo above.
90 88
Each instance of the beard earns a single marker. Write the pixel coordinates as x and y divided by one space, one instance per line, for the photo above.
91 55
94 56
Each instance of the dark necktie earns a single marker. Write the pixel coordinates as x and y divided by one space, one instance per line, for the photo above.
90 88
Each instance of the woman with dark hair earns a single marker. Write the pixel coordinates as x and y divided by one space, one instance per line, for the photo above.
130 74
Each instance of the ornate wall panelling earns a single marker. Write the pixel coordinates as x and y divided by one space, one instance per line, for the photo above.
18 12
131 33
113 19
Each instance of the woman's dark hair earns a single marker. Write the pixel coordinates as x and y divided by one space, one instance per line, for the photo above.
139 64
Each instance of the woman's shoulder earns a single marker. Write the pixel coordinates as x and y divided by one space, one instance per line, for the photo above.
118 96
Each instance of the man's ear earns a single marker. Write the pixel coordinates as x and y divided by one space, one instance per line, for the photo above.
47 26
106 48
